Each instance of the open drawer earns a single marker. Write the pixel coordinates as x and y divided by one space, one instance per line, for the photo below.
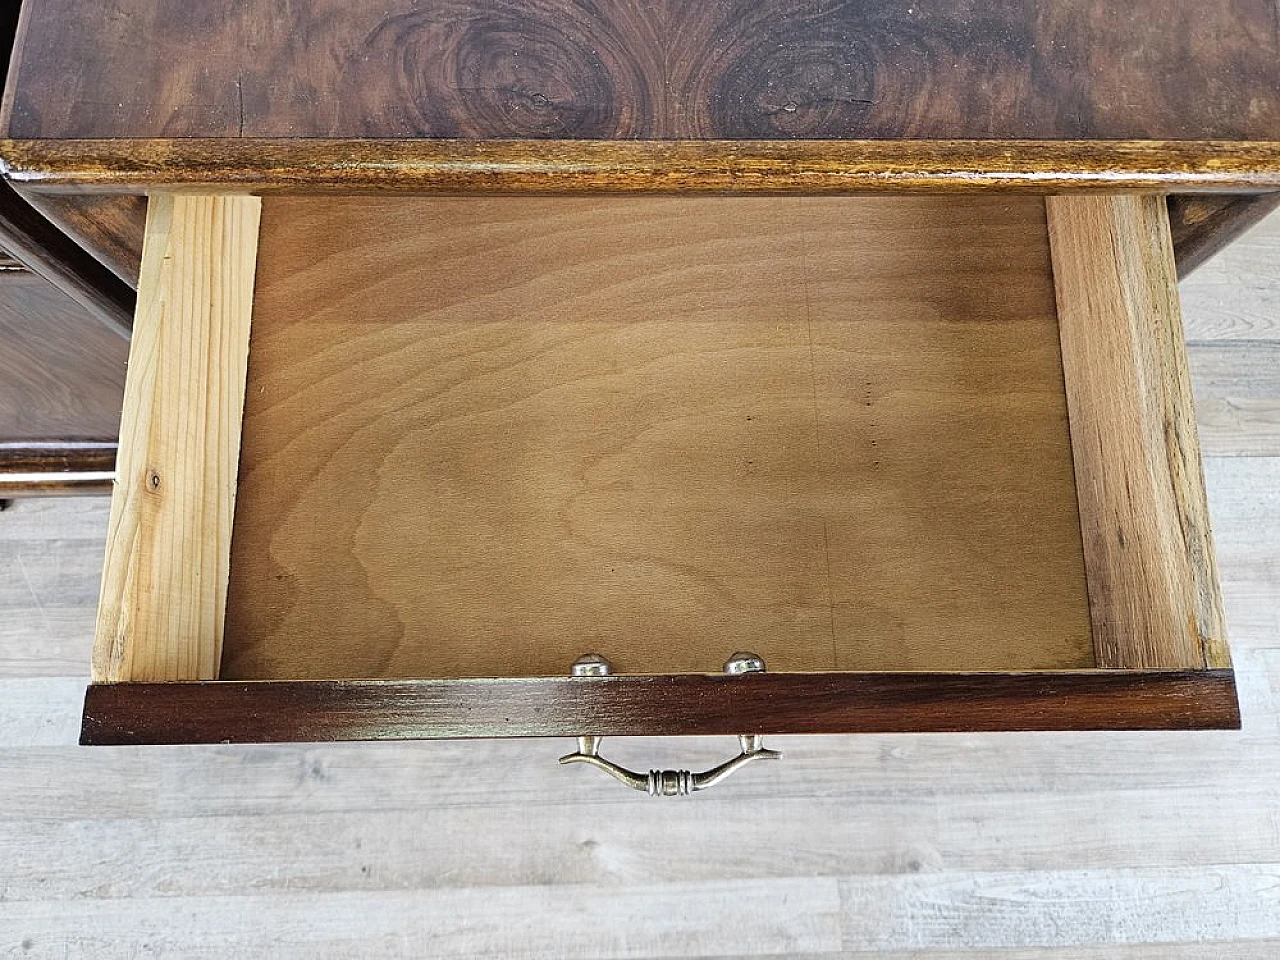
390 466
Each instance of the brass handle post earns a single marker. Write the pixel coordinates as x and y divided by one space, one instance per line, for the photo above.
670 783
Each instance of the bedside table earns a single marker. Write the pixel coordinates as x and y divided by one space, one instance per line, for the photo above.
554 369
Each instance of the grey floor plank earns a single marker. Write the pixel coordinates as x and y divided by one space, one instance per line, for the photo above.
621 846
673 919
1237 396
1235 295
57 518
1233 950
1061 909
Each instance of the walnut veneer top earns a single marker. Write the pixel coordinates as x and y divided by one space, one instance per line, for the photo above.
648 69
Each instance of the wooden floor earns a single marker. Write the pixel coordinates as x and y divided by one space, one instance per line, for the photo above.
1016 847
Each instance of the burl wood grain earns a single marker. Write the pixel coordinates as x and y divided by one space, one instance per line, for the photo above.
483 437
906 74
650 69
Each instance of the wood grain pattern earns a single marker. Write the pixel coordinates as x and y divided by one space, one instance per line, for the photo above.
61 369
1233 297
1237 393
617 70
75 456
896 908
648 69
1203 225
667 166
504 433
56 467
41 248
814 916
227 711
867 806
164 578
50 570
800 915
1153 584
109 227
61 483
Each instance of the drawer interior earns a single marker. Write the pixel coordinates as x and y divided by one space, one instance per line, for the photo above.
389 465
483 437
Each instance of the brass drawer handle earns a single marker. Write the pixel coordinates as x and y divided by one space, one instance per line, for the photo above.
670 783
